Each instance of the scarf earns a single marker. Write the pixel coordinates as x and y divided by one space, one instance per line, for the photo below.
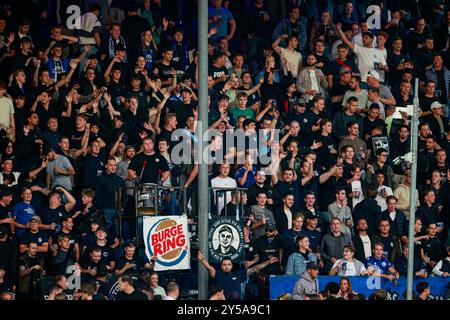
112 46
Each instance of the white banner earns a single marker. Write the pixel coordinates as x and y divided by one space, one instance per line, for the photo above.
167 240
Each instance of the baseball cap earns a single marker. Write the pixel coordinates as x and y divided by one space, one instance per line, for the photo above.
46 150
184 89
312 265
373 74
36 218
300 103
102 228
270 227
435 105
63 236
311 215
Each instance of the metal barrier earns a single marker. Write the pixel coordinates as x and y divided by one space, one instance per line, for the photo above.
150 199
224 192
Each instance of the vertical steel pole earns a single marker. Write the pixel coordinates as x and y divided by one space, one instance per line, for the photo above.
412 196
202 127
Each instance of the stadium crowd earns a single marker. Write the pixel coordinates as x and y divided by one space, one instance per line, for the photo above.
92 107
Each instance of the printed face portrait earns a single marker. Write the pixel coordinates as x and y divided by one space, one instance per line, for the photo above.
225 238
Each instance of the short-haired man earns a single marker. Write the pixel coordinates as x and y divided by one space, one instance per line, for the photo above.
379 266
423 291
391 243
227 278
127 290
431 250
260 215
59 169
130 263
333 244
362 241
341 118
298 261
173 291
93 266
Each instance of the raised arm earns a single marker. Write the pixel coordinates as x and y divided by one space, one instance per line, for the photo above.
261 266
211 270
275 44
71 202
344 38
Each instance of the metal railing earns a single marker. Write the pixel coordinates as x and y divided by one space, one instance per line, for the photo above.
150 199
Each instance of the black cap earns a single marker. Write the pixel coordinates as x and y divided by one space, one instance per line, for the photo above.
300 102
46 149
102 228
184 89
270 227
311 215
63 236
312 265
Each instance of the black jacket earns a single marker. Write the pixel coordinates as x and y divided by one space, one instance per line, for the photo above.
435 128
399 227
369 210
105 190
359 247
281 221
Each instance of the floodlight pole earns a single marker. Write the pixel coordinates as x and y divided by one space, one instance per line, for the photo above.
412 196
202 126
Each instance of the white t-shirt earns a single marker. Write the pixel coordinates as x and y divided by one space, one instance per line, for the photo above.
288 214
382 73
393 215
350 268
294 59
357 39
367 57
88 25
6 110
367 246
314 83
219 182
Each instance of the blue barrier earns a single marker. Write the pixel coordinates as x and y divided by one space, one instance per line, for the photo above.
364 285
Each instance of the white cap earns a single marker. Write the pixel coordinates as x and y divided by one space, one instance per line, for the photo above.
374 74
436 105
